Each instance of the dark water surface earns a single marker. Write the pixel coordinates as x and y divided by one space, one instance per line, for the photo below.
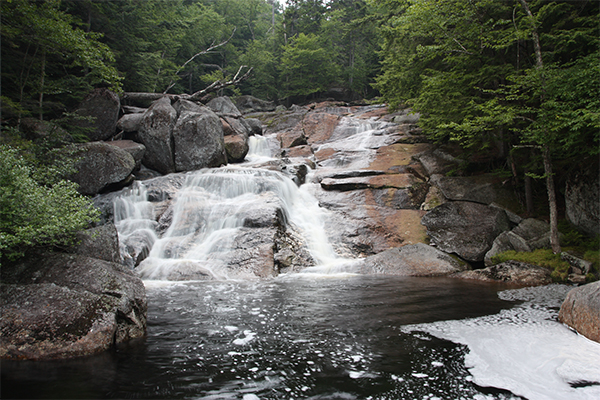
288 338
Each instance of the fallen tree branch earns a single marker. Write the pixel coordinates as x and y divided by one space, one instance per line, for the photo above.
213 87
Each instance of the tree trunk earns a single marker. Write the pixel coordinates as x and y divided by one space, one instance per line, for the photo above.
42 76
554 242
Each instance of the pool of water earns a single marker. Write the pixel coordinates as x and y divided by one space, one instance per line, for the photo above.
294 337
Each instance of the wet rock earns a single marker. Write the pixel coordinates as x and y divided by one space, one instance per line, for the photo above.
412 260
156 133
318 127
254 125
298 151
198 140
516 272
291 138
63 306
103 106
464 228
581 310
101 166
397 181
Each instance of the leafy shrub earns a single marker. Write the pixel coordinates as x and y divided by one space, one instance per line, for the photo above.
35 213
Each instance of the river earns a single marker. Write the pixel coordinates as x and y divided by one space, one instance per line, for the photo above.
322 333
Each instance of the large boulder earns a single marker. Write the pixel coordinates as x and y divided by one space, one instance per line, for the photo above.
581 310
412 260
518 273
581 201
156 133
103 106
101 242
464 228
198 139
224 105
101 166
63 306
484 189
137 150
130 122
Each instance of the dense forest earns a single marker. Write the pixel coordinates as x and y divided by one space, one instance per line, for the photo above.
517 78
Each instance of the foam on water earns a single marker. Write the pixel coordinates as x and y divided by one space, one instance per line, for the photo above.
525 350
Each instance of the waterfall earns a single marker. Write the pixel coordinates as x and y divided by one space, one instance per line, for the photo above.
207 213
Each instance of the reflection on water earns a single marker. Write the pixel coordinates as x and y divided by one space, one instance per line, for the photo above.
279 339
353 337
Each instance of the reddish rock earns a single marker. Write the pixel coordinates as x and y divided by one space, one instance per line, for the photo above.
581 310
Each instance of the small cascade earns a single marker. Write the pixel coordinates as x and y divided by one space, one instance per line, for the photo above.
207 214
355 141
258 149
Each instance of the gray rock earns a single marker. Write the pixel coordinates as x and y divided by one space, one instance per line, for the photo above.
130 122
484 189
236 139
581 310
581 201
100 166
437 161
101 242
64 306
255 126
103 106
516 272
136 150
464 228
576 263
198 140
535 232
504 242
224 105
156 133
412 260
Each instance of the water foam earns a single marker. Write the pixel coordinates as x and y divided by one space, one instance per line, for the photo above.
525 350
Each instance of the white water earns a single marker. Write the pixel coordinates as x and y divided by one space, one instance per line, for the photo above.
209 211
524 350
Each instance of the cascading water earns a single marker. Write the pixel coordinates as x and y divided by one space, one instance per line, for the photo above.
207 214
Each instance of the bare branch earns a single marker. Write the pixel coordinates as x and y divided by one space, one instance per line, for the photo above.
206 51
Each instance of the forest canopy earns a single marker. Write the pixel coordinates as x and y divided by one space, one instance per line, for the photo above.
517 78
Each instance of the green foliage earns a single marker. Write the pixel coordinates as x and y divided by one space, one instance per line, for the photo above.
542 257
306 66
47 58
36 208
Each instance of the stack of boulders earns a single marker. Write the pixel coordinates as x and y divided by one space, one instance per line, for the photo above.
169 136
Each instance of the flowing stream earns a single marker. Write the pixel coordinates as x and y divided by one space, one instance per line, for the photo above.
321 334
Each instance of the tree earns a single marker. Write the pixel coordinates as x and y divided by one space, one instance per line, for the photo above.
306 66
47 60
486 73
